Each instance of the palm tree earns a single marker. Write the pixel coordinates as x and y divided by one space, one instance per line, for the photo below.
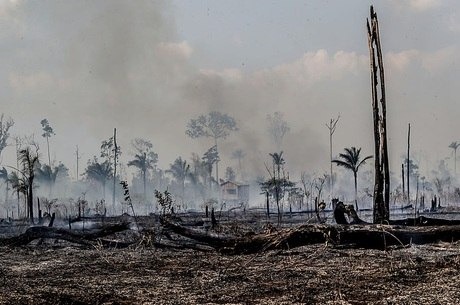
454 146
19 185
351 160
100 172
278 161
47 133
180 170
48 174
144 161
4 177
29 160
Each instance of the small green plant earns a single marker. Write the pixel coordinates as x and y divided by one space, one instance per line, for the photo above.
165 201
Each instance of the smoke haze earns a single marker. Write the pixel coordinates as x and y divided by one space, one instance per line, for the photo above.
147 68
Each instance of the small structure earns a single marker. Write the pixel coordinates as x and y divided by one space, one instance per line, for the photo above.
234 193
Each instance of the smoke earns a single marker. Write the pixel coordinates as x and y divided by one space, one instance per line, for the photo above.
119 64
90 66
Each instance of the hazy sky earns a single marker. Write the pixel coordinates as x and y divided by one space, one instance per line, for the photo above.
147 67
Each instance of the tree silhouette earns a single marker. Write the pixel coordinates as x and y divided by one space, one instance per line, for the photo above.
278 161
47 133
19 185
214 125
210 157
4 177
277 128
277 185
230 174
28 160
99 172
351 160
111 151
199 175
144 159
48 174
5 125
179 170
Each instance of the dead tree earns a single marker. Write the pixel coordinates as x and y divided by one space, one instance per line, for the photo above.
382 171
78 237
408 165
357 236
332 125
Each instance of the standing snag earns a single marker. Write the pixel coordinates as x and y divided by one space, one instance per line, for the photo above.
382 168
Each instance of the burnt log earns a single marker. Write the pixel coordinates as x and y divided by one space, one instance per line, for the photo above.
423 221
356 236
78 237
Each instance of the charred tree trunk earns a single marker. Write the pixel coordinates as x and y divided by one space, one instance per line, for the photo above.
39 211
78 237
30 199
268 205
408 165
382 172
115 147
356 236
403 183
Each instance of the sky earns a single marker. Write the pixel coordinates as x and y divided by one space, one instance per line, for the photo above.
148 67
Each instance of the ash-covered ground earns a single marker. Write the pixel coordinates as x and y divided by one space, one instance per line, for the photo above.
60 273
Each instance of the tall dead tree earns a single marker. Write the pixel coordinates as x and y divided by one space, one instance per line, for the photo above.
382 171
331 126
115 147
408 165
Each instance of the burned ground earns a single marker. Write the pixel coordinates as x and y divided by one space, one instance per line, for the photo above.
67 274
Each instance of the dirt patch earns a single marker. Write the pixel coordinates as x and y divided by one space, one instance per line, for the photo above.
320 274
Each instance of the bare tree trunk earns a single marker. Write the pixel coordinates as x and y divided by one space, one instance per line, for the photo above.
382 172
144 180
455 161
49 157
408 165
30 200
217 174
403 183
331 126
78 158
114 165
268 205
356 190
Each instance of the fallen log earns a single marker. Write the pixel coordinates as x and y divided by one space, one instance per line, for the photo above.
78 237
212 239
355 236
341 210
425 221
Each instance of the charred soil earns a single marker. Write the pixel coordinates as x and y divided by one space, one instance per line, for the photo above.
62 273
